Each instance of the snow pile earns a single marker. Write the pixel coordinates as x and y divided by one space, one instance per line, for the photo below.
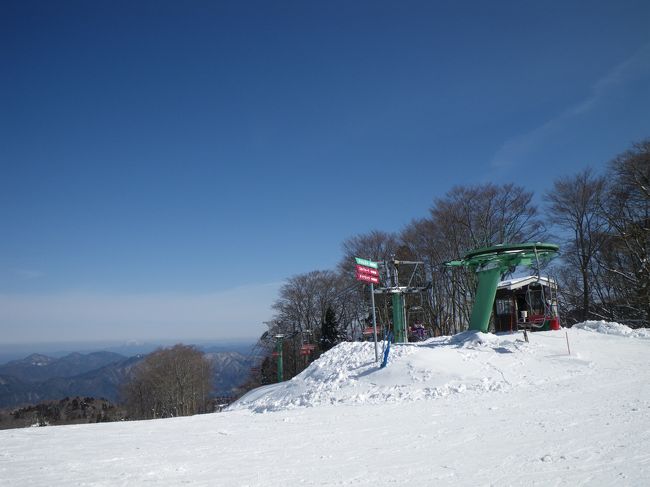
467 362
474 339
609 328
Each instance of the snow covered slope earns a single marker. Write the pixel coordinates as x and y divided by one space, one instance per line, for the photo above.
473 409
470 361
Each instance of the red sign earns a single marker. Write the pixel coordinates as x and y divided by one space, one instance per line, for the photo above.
369 330
367 278
367 270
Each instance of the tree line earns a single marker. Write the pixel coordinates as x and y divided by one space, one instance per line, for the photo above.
607 218
601 221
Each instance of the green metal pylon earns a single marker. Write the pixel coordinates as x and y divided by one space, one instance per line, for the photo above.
488 281
278 351
399 325
490 263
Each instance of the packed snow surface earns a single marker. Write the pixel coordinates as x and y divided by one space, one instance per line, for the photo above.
613 329
473 409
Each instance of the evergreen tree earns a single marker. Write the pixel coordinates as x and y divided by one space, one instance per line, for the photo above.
330 333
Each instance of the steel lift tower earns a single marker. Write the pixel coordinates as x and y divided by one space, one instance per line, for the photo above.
398 293
490 263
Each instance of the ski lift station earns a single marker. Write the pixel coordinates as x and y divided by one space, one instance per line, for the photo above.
490 263
526 301
529 302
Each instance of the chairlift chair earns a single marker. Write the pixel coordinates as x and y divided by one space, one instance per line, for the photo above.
536 301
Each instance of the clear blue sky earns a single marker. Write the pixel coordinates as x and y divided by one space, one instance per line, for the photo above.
165 165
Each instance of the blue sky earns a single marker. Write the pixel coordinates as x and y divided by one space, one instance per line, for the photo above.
165 165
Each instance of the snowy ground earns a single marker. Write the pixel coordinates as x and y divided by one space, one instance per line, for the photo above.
473 409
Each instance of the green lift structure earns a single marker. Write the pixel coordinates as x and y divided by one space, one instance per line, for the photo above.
490 264
398 292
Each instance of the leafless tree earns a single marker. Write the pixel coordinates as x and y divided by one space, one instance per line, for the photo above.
468 217
489 214
423 239
626 257
304 299
300 310
574 206
174 381
377 246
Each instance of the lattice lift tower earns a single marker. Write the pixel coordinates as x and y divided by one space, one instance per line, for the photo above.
398 293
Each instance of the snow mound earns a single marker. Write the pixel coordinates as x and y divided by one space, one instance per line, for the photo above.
609 328
474 339
470 362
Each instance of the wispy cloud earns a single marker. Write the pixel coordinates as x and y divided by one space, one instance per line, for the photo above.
233 313
632 68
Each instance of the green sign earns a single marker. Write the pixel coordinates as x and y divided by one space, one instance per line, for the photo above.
366 263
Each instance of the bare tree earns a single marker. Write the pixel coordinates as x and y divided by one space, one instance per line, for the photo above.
304 299
300 311
468 217
484 215
575 207
377 246
626 258
174 381
423 239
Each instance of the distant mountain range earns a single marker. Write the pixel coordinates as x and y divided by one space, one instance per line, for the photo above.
15 351
38 377
231 369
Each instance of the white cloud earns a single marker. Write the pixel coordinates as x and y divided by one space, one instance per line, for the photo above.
234 313
632 68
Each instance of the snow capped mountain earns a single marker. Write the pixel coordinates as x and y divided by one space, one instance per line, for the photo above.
473 409
230 371
38 360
